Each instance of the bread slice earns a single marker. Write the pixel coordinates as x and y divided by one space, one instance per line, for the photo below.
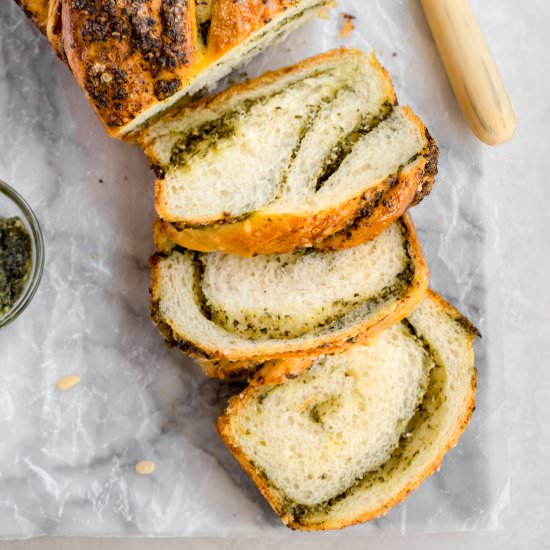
219 306
134 59
293 158
341 439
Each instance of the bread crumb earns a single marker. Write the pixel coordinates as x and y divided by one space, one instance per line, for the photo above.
324 13
145 467
68 382
347 26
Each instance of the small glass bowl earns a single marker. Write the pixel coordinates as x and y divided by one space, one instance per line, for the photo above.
13 204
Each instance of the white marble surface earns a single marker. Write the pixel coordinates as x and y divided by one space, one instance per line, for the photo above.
67 460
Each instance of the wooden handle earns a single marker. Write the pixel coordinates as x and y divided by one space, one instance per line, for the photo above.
470 67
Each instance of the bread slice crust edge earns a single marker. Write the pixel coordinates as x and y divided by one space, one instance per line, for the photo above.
36 11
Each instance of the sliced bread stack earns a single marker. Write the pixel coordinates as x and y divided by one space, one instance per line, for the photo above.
285 257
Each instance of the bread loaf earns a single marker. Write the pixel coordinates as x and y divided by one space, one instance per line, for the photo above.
136 58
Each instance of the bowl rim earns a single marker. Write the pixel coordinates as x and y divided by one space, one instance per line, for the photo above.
37 267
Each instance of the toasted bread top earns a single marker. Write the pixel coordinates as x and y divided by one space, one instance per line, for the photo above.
135 58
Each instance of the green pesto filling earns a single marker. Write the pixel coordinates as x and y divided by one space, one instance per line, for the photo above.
309 121
198 141
15 261
319 411
341 150
431 397
265 325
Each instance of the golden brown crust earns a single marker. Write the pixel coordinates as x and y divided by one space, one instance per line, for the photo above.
231 360
232 22
46 15
276 373
246 370
54 31
129 55
36 11
236 371
161 241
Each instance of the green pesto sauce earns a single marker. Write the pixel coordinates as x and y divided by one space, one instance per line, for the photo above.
341 150
198 141
15 261
261 326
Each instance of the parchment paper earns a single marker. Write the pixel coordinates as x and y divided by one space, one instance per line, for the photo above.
68 458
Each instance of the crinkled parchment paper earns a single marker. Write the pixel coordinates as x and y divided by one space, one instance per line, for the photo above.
67 459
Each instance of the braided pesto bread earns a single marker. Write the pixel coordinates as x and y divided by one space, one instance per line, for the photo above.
135 58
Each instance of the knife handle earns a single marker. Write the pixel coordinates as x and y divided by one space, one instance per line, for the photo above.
471 69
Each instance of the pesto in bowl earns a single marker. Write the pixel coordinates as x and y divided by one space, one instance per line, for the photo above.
15 261
21 254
